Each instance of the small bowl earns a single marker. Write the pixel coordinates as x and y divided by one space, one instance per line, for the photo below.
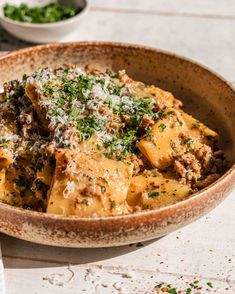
46 32
205 95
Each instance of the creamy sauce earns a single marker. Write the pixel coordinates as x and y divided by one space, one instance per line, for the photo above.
89 143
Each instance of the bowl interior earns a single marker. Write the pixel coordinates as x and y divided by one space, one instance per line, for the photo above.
203 93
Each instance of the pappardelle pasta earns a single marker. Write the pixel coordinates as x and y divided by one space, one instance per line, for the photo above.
90 143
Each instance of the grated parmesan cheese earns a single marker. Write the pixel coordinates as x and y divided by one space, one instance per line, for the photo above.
69 189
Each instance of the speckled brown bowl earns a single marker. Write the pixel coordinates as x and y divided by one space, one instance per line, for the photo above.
206 95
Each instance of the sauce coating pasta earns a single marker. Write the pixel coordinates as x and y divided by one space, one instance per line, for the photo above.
89 143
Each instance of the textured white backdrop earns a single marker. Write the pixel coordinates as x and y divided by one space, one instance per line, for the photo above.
203 30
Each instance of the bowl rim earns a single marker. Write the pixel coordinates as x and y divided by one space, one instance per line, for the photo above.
178 205
16 23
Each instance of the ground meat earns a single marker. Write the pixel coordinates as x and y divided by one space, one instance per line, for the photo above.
218 154
156 107
27 122
219 164
210 162
127 119
137 208
105 110
147 122
71 66
70 136
92 70
188 167
26 118
204 155
177 103
183 135
123 77
114 126
93 191
137 162
207 181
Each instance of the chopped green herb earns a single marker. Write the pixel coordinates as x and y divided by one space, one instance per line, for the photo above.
162 127
70 88
52 12
4 144
149 133
180 122
169 113
172 291
194 284
85 202
196 125
4 201
103 189
209 284
158 286
88 125
187 141
168 286
135 109
74 114
153 194
113 204
139 244
154 172
121 144
112 74
48 90
161 113
5 99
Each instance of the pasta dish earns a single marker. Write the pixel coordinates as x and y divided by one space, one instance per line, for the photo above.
89 143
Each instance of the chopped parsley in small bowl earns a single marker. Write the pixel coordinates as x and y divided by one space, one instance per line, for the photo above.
41 21
52 12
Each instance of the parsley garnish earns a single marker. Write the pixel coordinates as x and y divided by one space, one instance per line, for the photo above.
135 108
113 204
187 141
153 194
121 144
70 88
88 125
172 291
5 99
162 127
4 144
4 201
139 244
209 284
85 202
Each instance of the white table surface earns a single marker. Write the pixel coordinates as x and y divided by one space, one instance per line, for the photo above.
203 30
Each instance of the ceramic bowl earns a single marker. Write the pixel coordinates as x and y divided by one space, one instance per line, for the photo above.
206 95
42 33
